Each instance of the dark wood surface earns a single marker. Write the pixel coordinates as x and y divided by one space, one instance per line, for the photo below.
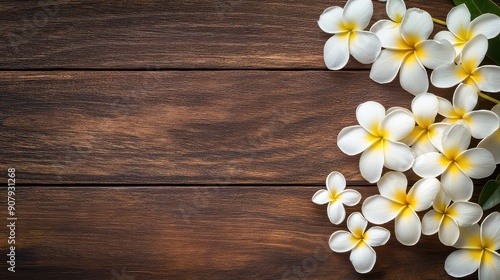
183 140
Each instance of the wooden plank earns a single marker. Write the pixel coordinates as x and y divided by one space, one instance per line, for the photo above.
151 34
195 233
178 127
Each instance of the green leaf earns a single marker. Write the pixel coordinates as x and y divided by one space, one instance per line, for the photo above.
490 195
477 8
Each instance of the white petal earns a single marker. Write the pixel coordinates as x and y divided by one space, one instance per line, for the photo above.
321 197
448 231
416 26
433 54
477 163
335 182
364 46
422 194
435 134
448 75
350 197
380 210
490 229
383 24
457 43
387 65
473 52
371 162
336 51
356 224
496 110
490 266
446 109
341 241
457 184
352 140
486 24
458 20
482 123
487 78
330 20
395 9
397 156
442 201
336 212
358 12
423 146
464 98
470 238
425 108
456 139
430 222
369 115
393 186
377 236
396 125
416 134
407 227
462 262
492 144
412 76
465 213
363 258
430 165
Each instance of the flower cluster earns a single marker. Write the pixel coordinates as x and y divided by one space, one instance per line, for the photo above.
400 139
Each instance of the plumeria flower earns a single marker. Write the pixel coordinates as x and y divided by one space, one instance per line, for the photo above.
446 219
478 250
462 29
359 241
394 203
347 25
484 78
336 196
492 142
385 28
377 137
425 109
410 52
455 163
481 122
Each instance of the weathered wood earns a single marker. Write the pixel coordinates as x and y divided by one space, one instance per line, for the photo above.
177 127
195 233
170 34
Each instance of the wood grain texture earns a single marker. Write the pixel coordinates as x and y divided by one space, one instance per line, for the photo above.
237 34
178 127
196 233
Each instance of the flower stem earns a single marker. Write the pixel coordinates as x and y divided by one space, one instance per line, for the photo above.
438 21
489 98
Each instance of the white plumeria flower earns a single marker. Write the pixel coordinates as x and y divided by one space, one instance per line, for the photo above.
360 241
394 203
347 25
484 78
455 163
492 142
386 29
446 219
377 137
481 122
462 29
410 51
478 246
425 109
336 195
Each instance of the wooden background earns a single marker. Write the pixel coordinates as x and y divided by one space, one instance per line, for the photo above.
183 140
